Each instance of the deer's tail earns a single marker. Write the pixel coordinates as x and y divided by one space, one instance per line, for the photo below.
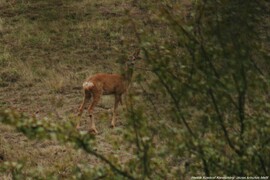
88 85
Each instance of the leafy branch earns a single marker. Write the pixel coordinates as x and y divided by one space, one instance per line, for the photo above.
64 133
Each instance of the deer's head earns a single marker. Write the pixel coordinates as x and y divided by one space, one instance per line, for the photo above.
129 65
133 58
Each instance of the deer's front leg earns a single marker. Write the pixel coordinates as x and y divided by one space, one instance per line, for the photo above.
116 103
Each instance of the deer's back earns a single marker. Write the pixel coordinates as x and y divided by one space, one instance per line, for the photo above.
109 83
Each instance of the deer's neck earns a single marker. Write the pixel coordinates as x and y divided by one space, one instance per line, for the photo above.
128 73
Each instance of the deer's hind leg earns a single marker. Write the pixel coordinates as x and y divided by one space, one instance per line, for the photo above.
87 97
96 98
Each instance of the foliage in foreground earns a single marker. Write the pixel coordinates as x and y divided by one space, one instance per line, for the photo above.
42 129
214 74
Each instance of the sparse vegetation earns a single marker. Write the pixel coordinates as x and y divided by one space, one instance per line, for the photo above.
198 104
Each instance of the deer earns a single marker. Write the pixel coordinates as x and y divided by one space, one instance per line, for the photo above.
106 84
